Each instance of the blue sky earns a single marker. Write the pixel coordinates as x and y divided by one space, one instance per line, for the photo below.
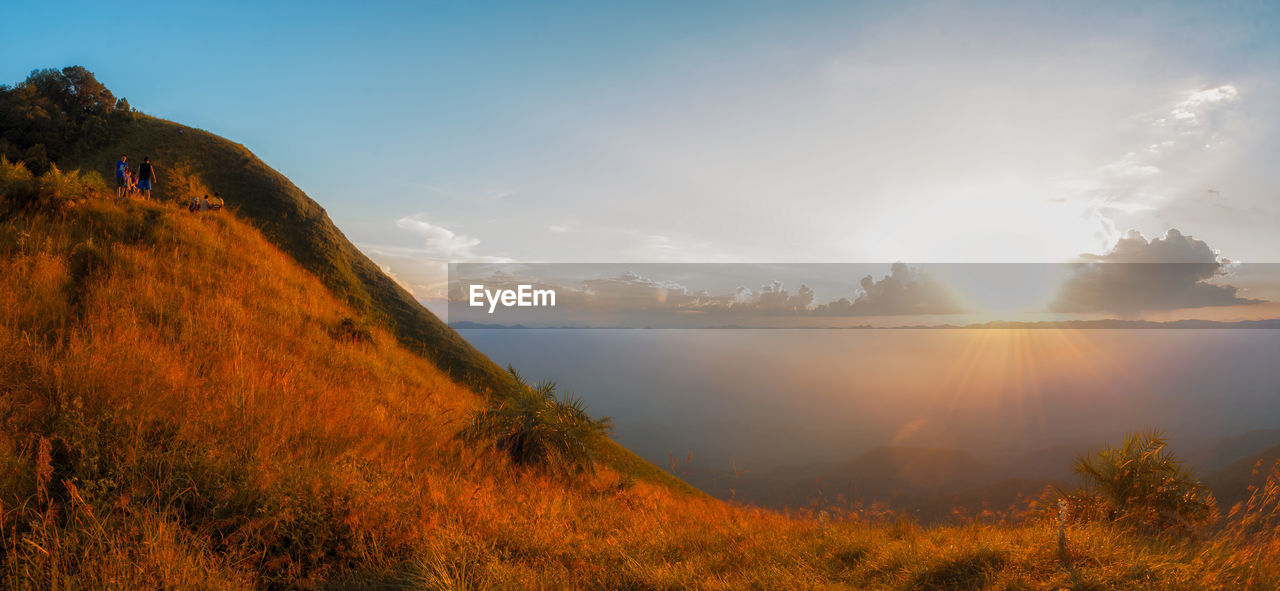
771 131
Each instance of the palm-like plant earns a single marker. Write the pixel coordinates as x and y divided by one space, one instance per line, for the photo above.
536 427
58 189
1142 483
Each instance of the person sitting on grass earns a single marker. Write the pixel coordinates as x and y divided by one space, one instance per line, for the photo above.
205 205
194 205
217 201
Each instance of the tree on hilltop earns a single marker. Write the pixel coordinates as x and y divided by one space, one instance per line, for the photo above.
58 114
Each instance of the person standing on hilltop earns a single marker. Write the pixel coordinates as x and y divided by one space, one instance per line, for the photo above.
122 180
146 176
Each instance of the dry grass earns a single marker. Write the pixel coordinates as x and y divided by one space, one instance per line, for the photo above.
181 410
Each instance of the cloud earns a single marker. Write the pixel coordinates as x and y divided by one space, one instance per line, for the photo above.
772 298
441 242
423 270
633 291
631 298
1198 102
1174 247
1136 275
1170 148
904 291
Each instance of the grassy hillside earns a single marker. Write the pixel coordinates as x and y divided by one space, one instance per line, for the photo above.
298 226
181 402
185 408
1232 482
195 161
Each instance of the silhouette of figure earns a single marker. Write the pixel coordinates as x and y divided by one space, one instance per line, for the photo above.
146 176
122 172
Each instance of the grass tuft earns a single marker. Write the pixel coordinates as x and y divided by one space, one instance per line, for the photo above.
971 570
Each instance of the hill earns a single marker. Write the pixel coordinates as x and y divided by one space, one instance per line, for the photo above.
69 118
199 162
1231 482
1233 448
300 227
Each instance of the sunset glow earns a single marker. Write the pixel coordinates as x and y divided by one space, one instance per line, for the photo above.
882 295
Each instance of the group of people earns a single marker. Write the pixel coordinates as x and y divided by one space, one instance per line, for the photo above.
205 204
131 182
138 182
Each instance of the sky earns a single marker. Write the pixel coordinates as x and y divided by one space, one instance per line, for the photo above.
438 132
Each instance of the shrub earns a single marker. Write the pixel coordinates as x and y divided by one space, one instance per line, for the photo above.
1141 483
59 189
350 330
536 427
17 185
54 190
181 183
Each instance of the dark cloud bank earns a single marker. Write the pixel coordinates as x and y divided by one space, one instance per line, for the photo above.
1169 273
1137 275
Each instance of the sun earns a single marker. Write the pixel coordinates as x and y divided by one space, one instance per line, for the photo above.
1004 291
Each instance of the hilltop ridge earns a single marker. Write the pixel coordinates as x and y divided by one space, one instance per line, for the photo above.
301 227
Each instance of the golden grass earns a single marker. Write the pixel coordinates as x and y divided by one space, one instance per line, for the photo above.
179 414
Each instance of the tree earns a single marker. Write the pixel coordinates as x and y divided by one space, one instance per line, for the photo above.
58 114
